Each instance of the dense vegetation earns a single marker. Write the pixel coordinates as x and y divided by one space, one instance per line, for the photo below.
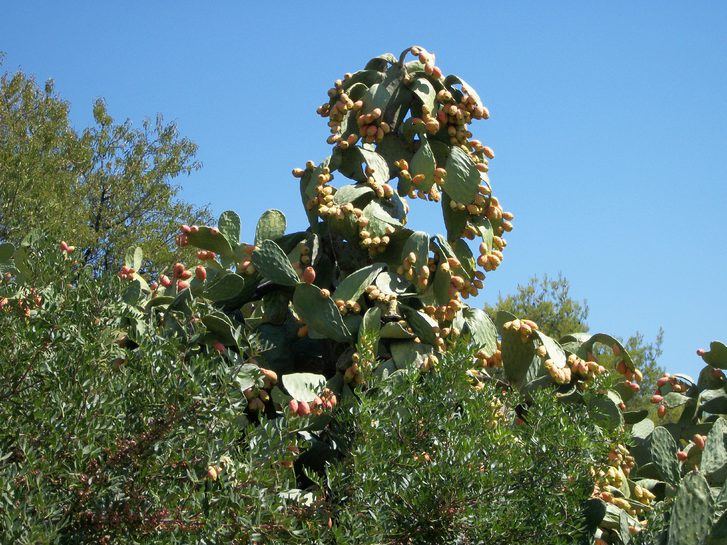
332 385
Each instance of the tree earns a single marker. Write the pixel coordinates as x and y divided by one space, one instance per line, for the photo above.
104 189
548 303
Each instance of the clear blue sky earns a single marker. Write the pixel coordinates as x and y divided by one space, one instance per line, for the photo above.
609 121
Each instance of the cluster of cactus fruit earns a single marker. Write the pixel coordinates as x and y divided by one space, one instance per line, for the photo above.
359 293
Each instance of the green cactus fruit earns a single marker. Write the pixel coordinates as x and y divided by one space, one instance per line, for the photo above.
274 265
270 226
714 456
691 516
663 453
320 313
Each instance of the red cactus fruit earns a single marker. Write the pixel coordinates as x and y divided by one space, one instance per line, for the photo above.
165 281
293 406
303 408
309 275
201 273
217 345
681 455
661 411
182 285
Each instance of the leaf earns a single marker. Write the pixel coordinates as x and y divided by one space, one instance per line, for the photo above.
423 163
378 219
463 178
605 412
482 329
674 399
219 324
368 77
304 386
132 293
392 284
520 363
426 93
691 514
466 258
206 239
273 264
408 354
134 258
370 329
454 220
714 456
225 287
379 95
6 251
554 351
418 244
663 453
381 62
376 163
452 80
229 225
350 193
422 324
714 401
270 226
716 356
320 313
355 283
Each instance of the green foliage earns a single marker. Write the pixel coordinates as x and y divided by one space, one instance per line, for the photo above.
103 189
445 458
546 301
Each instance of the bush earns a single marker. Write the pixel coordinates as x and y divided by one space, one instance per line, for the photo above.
445 458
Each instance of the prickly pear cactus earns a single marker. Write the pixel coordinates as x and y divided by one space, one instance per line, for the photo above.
677 462
400 130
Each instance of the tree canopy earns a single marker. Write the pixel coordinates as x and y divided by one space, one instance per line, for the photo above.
104 188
